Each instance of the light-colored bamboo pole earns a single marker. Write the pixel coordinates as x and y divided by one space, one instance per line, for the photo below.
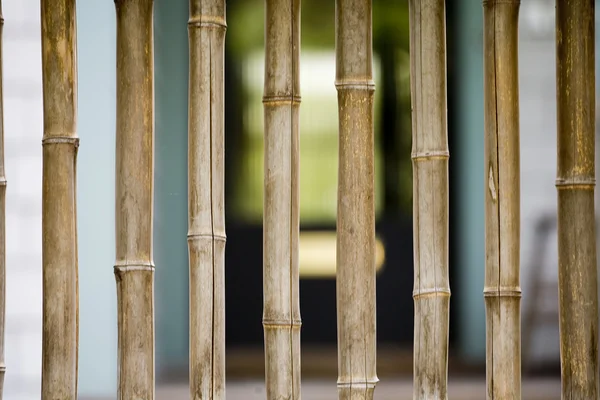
430 198
355 280
206 208
59 225
2 214
575 183
134 268
502 217
502 287
281 307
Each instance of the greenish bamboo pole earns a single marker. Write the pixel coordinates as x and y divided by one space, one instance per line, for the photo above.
355 285
575 183
430 198
2 214
59 225
502 286
134 267
281 307
206 208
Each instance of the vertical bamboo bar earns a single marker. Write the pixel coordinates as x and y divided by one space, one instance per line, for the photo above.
575 183
206 208
502 286
2 214
430 198
355 286
134 268
281 100
59 231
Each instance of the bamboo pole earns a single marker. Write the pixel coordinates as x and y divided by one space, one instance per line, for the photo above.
281 100
502 286
2 214
355 286
575 183
206 235
134 268
430 198
59 225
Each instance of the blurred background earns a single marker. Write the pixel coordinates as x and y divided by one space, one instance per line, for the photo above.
244 170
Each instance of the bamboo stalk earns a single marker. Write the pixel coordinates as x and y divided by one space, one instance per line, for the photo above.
281 100
59 225
430 198
355 286
2 214
575 183
502 286
206 235
134 268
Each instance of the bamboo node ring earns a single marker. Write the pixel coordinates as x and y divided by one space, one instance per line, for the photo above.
355 84
278 323
575 183
122 268
502 291
61 140
3 181
281 100
430 155
434 292
207 21
196 236
367 384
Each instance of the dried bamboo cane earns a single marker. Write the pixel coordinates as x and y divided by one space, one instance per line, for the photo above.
575 183
281 307
430 198
2 214
355 286
206 235
134 267
59 225
502 287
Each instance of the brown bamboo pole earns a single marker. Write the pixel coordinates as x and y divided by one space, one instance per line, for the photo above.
134 267
575 183
430 198
206 208
59 225
281 100
355 279
502 286
2 214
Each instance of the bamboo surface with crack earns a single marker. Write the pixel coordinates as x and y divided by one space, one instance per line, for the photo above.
430 198
134 267
206 205
281 102
59 219
355 276
575 184
502 291
3 184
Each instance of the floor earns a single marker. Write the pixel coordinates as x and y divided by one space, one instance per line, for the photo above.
533 389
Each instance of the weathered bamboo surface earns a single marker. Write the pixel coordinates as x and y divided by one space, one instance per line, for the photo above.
3 184
502 289
575 183
134 268
59 225
430 198
281 298
206 208
355 285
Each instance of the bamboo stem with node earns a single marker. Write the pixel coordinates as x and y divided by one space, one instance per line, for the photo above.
575 184
59 222
134 267
430 198
502 214
281 100
2 214
355 281
206 207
